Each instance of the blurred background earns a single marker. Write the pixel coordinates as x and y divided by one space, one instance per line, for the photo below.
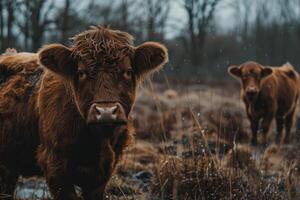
203 36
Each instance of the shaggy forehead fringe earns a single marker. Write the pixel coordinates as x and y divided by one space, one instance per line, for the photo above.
102 46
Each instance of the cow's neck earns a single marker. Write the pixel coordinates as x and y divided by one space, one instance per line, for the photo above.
254 105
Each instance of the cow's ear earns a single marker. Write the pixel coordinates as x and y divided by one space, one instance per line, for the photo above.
149 57
234 71
266 71
58 59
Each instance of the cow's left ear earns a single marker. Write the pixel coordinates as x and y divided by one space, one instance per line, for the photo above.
149 57
58 59
266 71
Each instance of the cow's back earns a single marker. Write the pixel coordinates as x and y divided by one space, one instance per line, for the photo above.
20 77
287 85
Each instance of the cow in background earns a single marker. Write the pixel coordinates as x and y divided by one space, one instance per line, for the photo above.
268 93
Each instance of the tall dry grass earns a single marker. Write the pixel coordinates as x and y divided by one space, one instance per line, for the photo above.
192 142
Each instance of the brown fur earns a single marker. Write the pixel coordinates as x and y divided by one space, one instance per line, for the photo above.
268 92
44 111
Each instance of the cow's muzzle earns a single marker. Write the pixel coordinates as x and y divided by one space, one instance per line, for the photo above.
110 114
251 92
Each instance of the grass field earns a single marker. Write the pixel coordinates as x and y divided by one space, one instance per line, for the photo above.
192 142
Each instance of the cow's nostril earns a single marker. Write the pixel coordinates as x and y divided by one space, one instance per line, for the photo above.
99 110
114 109
107 110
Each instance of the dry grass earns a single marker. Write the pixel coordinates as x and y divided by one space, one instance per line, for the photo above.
202 179
193 144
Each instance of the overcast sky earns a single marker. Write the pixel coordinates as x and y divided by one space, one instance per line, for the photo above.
224 17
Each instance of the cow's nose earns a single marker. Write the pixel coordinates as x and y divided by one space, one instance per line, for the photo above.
251 92
106 114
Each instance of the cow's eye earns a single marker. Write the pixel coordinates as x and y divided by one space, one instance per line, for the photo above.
128 74
81 75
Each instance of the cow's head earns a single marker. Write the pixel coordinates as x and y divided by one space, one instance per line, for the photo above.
251 74
103 69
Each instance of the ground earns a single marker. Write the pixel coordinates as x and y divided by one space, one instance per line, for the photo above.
192 142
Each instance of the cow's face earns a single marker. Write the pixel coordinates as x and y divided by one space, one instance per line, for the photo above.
105 94
251 74
104 82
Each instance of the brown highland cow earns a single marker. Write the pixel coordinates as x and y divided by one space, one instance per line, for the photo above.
268 92
66 110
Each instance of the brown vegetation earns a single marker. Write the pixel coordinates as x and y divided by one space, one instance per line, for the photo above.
184 165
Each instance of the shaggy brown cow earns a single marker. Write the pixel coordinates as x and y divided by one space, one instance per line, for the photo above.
71 116
268 92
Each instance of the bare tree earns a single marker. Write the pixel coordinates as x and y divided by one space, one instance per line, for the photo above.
128 13
35 21
124 10
100 13
24 23
273 36
10 20
1 26
156 16
243 11
65 21
40 19
7 19
200 14
68 21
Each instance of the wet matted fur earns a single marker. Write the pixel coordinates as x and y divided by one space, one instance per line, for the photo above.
45 100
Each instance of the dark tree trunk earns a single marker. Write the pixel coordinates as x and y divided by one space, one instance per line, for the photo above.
1 27
25 28
65 22
10 21
200 14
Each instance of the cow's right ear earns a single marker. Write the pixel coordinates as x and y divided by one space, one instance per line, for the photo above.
235 71
58 59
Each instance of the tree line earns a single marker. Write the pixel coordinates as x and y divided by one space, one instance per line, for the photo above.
266 31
